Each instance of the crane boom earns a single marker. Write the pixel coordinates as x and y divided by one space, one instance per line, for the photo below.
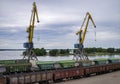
81 41
30 29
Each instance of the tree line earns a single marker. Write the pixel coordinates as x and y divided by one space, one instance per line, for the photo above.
62 52
104 50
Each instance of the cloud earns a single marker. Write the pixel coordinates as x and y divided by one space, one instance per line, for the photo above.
108 36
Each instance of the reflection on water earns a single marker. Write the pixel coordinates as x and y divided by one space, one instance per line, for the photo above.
7 55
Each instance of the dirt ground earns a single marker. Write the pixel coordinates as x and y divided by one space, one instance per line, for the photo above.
109 78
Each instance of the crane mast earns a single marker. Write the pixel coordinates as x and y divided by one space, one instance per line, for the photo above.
80 53
29 53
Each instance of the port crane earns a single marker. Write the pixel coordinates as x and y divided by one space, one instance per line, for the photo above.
80 53
29 53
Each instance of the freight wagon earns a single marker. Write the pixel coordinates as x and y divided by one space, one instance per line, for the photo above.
52 65
59 75
12 66
46 65
96 69
29 78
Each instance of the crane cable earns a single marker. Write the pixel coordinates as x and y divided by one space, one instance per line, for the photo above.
95 34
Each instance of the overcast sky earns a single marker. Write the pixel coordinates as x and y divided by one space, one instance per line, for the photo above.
59 20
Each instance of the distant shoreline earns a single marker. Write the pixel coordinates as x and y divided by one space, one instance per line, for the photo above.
88 54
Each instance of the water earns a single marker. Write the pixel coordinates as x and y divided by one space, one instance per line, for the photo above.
7 55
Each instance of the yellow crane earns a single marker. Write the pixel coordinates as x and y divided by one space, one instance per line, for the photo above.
30 29
29 45
82 35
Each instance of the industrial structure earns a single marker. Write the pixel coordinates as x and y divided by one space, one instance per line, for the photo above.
80 53
29 53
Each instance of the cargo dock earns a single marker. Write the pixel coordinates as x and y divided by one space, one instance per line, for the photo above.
30 70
